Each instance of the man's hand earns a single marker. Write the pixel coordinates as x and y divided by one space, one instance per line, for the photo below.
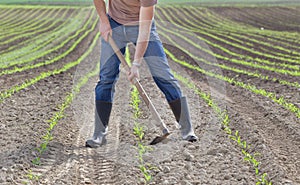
105 30
146 15
133 73
145 22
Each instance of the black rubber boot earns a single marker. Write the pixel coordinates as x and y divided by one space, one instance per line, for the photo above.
181 112
102 113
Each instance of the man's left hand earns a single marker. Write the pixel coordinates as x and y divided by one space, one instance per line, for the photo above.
133 73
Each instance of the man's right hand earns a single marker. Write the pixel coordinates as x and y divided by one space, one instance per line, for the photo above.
105 29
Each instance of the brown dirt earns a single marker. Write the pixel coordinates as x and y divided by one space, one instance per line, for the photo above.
76 53
270 129
267 17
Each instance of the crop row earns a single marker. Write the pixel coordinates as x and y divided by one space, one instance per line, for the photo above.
40 42
222 66
12 16
22 19
289 106
235 60
224 120
289 36
6 60
35 45
225 26
243 60
9 92
58 115
84 33
249 35
270 17
193 43
48 25
138 130
36 24
197 28
255 37
5 12
280 100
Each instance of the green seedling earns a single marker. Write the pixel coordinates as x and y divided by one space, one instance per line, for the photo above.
289 106
222 115
31 176
27 83
255 60
145 173
263 180
42 40
67 102
49 61
36 161
138 131
254 74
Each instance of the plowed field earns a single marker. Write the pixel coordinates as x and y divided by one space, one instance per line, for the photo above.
238 66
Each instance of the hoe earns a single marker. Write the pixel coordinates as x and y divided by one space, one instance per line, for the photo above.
143 94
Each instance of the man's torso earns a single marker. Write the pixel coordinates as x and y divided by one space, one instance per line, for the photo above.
127 11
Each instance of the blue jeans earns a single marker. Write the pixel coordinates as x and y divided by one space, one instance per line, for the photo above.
155 58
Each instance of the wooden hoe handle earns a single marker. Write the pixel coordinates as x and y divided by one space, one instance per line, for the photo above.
139 87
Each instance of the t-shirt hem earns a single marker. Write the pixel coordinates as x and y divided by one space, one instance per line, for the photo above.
127 23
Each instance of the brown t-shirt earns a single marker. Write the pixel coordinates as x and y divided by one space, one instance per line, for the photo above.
127 11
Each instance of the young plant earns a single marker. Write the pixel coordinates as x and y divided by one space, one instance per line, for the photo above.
67 102
138 131
9 92
32 176
142 149
252 88
224 119
36 161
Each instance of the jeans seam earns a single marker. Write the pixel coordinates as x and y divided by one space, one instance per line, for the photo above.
125 34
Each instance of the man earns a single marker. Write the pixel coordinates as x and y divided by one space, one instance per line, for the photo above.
132 21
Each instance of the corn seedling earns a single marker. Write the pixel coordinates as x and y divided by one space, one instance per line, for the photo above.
67 102
138 131
222 66
198 28
36 161
32 176
224 119
42 40
142 149
227 59
272 96
29 82
57 58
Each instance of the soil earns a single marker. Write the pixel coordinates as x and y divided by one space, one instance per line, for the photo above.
273 18
271 130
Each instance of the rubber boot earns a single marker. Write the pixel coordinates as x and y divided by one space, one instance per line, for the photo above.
102 113
181 112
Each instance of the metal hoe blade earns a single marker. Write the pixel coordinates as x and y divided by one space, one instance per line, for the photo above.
159 139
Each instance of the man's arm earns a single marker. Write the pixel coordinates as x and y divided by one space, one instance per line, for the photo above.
105 28
146 15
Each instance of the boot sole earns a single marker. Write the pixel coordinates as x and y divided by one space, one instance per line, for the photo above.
92 144
192 139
